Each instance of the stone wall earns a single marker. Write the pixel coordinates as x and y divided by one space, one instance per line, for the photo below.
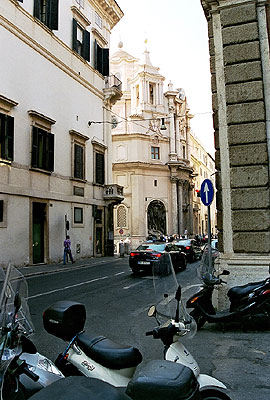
239 93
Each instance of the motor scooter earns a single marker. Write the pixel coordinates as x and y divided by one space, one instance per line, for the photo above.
245 301
24 373
177 376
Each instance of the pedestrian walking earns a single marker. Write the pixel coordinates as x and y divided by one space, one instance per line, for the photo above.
67 250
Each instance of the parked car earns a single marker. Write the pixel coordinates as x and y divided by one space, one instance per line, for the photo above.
214 248
191 248
147 253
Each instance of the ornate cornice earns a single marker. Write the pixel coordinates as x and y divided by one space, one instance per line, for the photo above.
109 9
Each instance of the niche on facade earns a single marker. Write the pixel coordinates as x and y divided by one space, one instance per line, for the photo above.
156 218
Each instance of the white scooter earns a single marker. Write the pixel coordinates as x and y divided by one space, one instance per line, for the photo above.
99 357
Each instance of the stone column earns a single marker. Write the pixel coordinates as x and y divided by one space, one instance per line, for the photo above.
180 207
177 137
174 206
172 133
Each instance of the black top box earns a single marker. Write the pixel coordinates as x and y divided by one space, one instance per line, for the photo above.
64 319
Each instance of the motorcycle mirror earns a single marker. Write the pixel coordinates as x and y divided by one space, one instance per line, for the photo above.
152 311
225 272
178 293
28 346
17 302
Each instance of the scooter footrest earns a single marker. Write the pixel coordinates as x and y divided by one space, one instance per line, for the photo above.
160 379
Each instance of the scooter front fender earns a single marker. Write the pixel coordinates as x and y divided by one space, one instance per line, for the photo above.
206 381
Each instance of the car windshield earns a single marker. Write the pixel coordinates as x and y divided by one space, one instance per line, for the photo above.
152 246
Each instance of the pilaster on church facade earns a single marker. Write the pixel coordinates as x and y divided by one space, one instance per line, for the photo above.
151 150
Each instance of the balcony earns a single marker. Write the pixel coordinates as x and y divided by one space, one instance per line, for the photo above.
113 89
113 193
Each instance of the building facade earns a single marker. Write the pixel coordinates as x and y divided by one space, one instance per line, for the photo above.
55 163
240 66
152 154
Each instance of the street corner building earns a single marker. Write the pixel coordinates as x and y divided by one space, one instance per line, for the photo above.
55 161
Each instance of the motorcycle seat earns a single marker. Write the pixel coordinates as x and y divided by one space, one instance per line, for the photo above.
107 353
240 291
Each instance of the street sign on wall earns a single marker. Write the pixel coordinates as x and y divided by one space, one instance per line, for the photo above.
207 192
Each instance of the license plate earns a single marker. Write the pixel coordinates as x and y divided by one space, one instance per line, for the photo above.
144 262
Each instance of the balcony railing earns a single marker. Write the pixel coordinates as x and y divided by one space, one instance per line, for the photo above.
113 82
113 192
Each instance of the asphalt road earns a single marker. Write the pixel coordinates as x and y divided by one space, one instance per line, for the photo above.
117 304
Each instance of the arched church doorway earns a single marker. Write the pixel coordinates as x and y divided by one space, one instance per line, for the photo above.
156 218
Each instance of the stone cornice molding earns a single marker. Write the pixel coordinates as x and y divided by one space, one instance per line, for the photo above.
80 16
109 9
98 35
142 136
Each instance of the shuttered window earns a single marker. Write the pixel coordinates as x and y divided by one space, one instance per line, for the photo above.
6 137
1 210
81 40
42 149
78 161
100 176
101 59
47 12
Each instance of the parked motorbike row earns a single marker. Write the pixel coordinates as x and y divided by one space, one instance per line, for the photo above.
94 367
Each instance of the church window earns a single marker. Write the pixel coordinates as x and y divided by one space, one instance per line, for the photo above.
155 153
121 217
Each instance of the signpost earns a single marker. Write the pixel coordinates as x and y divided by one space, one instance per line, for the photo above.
207 195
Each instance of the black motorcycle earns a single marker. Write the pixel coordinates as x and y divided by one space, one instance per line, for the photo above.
245 301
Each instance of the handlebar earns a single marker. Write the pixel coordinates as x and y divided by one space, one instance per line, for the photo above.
30 374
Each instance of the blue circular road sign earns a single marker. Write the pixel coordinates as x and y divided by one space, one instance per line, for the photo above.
207 192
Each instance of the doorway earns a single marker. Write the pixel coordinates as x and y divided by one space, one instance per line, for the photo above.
38 229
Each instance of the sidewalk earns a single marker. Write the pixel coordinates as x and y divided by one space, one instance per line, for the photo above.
41 269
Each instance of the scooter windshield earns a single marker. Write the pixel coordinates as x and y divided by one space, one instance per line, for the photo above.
207 269
168 301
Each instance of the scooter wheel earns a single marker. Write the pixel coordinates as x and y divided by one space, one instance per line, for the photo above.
199 318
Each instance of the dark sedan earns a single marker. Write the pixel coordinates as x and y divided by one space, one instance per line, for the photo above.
190 247
144 257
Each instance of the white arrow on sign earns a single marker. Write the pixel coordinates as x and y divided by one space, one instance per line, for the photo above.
206 190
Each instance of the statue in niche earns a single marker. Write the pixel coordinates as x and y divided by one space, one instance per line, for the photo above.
156 219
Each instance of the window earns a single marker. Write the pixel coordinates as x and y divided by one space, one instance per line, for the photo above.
78 161
42 149
121 217
78 215
98 20
47 12
101 59
81 41
155 153
6 137
99 168
155 182
137 95
151 93
1 210
184 151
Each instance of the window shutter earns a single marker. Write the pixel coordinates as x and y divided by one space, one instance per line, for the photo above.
1 210
34 162
74 35
95 55
2 135
100 168
105 62
21 1
51 151
37 8
86 45
9 137
53 14
78 162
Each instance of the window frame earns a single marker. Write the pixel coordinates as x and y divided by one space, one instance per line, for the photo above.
42 149
101 59
81 221
51 13
78 139
153 153
6 137
3 211
85 44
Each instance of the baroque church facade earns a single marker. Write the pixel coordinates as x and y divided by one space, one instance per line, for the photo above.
154 155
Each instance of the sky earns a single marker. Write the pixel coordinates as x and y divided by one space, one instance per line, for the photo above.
177 39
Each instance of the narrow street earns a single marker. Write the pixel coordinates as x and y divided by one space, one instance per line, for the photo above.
117 303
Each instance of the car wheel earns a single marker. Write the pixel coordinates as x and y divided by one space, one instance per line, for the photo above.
135 271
